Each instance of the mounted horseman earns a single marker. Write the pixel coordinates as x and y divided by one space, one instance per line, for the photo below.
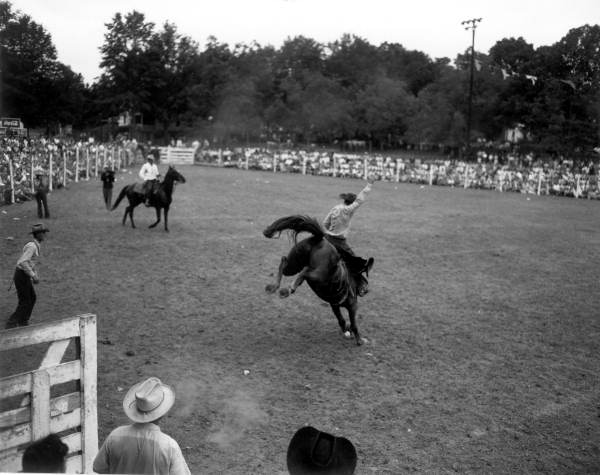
159 195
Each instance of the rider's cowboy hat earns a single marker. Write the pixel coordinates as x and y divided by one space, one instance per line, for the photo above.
39 228
312 451
348 198
148 401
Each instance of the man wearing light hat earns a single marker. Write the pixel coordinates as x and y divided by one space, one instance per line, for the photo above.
25 276
141 447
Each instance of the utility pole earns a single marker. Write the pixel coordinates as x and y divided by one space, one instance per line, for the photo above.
470 25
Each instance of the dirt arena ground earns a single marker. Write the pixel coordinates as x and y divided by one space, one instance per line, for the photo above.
482 320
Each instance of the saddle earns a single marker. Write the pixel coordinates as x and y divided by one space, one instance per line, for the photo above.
138 188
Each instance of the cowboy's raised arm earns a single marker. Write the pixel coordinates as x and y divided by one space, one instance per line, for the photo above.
362 196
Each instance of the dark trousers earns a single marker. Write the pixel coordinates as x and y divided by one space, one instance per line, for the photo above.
355 263
26 296
42 204
149 188
107 194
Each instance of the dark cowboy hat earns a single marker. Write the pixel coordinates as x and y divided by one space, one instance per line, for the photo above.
314 452
348 198
39 228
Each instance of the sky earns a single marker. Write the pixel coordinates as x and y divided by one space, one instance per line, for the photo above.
434 27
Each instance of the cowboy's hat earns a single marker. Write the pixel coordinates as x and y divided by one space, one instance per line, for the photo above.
311 451
348 198
148 401
39 228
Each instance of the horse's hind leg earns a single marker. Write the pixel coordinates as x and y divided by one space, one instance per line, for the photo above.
297 283
340 318
272 288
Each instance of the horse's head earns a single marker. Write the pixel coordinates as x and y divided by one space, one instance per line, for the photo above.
174 175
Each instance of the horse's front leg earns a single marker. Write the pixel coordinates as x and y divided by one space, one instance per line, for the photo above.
166 215
352 311
340 318
283 293
272 288
157 218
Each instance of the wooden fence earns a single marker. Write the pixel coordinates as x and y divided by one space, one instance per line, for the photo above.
39 409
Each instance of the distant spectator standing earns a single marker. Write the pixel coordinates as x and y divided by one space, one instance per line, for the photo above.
40 186
25 276
47 455
141 447
108 178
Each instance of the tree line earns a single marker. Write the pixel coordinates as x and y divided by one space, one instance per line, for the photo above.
306 91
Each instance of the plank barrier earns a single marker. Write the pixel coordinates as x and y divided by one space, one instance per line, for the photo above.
73 416
177 155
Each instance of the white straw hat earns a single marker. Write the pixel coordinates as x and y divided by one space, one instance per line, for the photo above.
148 400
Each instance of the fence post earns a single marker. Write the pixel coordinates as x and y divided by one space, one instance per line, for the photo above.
539 182
51 171
89 376
64 180
430 174
397 171
333 165
304 165
274 163
87 162
32 167
103 158
77 164
12 180
40 417
96 170
366 169
466 176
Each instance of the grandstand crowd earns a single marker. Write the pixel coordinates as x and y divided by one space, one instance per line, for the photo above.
67 160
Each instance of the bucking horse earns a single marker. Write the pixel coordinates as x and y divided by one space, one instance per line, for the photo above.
317 262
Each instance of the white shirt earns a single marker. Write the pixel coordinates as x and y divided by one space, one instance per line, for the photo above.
149 171
337 222
140 448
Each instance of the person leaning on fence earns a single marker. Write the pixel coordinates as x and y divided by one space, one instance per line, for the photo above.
47 455
141 447
337 225
25 276
108 178
40 186
311 451
149 173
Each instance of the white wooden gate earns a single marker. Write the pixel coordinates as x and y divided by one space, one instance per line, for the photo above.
38 411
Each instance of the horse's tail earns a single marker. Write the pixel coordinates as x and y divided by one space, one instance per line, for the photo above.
121 196
296 224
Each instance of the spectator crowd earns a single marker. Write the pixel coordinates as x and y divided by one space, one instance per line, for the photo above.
67 160
506 173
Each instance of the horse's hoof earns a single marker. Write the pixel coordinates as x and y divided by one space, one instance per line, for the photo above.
347 335
271 288
360 341
283 293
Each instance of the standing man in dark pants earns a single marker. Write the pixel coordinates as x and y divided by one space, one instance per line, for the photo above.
108 178
40 187
25 276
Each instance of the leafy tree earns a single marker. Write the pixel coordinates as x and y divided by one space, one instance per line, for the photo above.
35 86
